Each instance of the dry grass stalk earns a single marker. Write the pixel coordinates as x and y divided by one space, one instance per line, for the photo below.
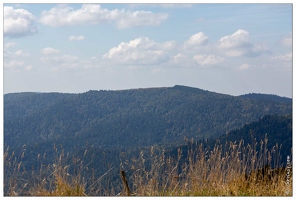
233 169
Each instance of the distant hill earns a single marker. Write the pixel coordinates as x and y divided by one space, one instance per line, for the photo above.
276 128
20 105
128 118
268 97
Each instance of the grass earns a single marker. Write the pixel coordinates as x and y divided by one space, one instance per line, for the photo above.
233 169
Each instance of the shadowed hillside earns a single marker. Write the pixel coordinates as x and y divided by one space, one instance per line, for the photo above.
276 130
138 117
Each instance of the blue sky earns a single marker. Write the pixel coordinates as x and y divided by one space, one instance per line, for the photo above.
226 48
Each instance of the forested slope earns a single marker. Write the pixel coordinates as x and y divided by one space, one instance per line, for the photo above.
105 129
269 97
128 118
274 130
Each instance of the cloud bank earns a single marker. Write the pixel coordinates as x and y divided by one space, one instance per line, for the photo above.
199 39
208 59
49 50
93 14
73 38
140 51
238 44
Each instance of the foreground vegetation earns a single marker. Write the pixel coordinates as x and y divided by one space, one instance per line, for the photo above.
231 169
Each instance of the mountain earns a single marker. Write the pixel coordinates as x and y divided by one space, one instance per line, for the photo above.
128 118
97 131
275 129
20 105
267 97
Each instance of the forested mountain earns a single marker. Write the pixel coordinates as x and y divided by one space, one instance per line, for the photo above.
264 97
128 118
275 130
105 129
20 105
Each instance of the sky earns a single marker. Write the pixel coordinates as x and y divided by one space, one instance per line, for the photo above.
73 48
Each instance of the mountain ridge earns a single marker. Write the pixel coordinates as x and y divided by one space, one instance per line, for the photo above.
270 97
148 116
147 88
274 130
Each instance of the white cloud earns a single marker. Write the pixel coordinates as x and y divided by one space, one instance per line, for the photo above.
18 22
234 53
139 51
66 59
238 44
21 53
196 40
18 53
80 37
244 67
287 40
49 50
258 49
139 18
13 64
168 45
238 39
29 67
285 58
94 14
179 57
182 60
9 44
162 5
208 59
6 53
